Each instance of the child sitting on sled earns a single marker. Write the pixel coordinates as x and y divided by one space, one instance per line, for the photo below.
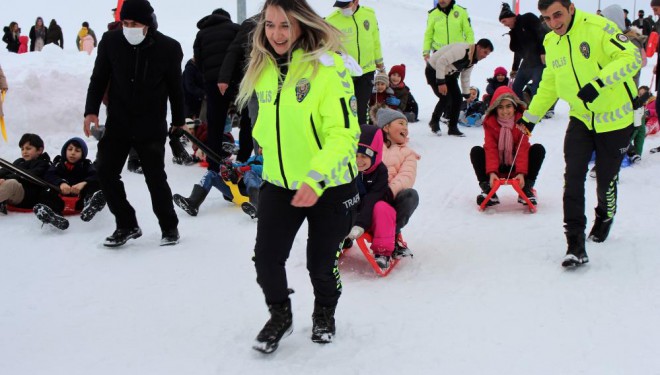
374 214
472 109
17 191
401 163
506 151
248 174
76 176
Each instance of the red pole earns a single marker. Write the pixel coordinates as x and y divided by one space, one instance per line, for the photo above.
118 11
517 7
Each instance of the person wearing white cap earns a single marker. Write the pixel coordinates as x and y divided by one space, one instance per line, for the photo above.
362 42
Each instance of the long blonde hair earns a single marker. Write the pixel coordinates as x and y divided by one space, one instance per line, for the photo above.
317 37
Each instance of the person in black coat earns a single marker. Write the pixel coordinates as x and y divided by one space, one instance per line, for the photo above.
76 176
216 33
142 69
526 43
193 89
38 34
14 189
12 32
231 74
54 34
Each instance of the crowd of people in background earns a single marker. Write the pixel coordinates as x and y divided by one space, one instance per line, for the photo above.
40 35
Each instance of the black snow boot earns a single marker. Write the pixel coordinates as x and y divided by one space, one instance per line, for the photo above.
601 228
485 190
453 130
278 326
180 155
323 328
121 236
47 216
93 205
528 189
576 254
3 208
191 204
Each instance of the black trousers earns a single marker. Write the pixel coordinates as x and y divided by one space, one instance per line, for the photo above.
217 106
112 152
579 144
449 104
535 159
405 204
245 137
363 86
329 222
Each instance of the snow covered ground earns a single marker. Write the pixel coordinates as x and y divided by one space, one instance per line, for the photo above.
484 293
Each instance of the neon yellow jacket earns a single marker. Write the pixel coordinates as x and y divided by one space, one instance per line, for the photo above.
592 51
361 36
308 129
443 29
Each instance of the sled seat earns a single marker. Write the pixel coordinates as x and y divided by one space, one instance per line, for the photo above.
363 243
69 206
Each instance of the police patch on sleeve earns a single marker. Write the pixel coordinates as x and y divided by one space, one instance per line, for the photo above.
622 38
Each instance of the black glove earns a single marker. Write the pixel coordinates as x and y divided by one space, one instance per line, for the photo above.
528 125
588 93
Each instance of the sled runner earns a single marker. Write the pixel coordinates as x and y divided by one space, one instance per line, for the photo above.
515 185
363 243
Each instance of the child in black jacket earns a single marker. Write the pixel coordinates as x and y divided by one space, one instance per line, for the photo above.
76 176
14 189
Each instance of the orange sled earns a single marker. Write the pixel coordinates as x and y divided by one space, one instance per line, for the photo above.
363 243
515 185
69 206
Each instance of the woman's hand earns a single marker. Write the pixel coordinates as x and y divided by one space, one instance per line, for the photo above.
305 197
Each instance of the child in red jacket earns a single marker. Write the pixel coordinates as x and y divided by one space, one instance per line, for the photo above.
506 151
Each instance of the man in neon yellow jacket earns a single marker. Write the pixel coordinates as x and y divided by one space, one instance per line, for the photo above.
447 23
362 42
590 65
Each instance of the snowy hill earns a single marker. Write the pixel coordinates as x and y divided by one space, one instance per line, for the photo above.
484 293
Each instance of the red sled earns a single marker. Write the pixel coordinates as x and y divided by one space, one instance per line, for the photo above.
69 206
515 185
652 44
363 243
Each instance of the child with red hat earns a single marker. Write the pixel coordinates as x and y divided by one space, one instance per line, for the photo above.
403 99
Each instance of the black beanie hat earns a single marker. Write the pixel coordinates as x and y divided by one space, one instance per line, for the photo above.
138 11
506 11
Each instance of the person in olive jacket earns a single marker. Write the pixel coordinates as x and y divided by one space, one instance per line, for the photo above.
141 68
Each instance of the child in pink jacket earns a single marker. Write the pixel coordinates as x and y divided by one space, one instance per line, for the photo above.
401 163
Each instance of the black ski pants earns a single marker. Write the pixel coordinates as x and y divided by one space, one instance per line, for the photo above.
535 159
217 106
405 204
56 203
363 87
579 144
449 104
329 222
113 150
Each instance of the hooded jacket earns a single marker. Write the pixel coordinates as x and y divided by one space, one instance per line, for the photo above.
452 60
215 35
492 134
140 79
527 42
13 43
372 183
593 50
61 171
447 26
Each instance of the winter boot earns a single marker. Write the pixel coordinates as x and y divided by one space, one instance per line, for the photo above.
47 216
401 248
191 204
93 205
121 236
180 155
528 189
135 166
278 326
383 261
170 237
453 130
323 324
249 209
601 228
485 190
3 208
576 254
434 124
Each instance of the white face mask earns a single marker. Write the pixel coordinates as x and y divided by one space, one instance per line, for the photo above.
134 35
347 12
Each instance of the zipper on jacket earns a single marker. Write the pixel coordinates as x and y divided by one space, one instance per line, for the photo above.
277 131
316 136
570 56
357 38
